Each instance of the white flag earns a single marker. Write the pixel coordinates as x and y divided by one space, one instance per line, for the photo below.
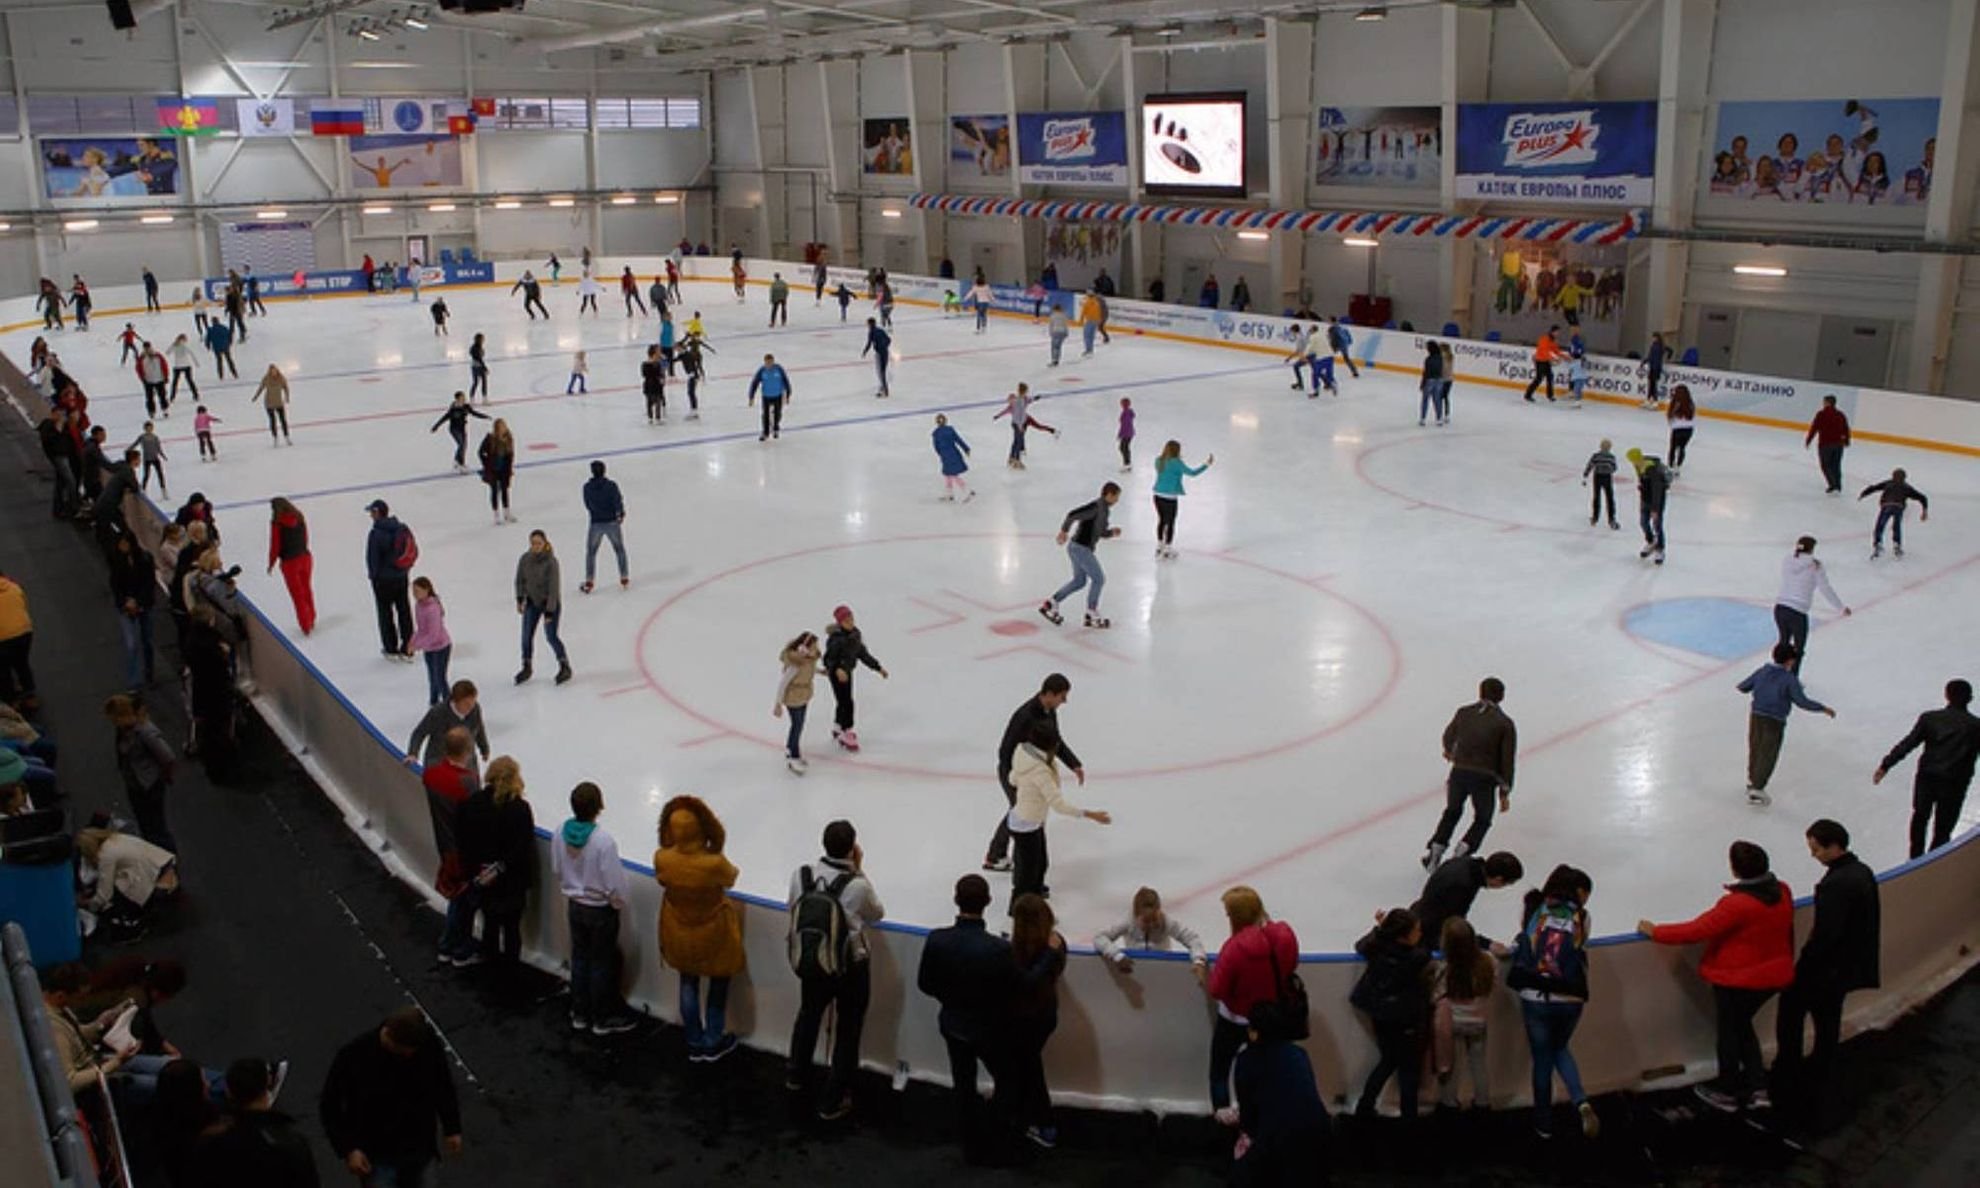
266 117
412 117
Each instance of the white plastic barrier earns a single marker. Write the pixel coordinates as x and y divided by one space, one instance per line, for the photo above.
1139 1041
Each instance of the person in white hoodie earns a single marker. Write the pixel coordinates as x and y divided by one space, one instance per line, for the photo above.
181 355
1801 576
1035 776
585 860
1148 929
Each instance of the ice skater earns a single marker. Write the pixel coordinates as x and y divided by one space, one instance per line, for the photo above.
539 599
798 663
845 651
738 276
220 340
629 290
1040 709
478 367
1653 490
884 301
844 296
1090 319
780 301
180 353
273 392
1829 432
1577 377
498 469
288 547
1654 360
1338 342
605 509
696 371
588 291
1682 416
127 338
456 419
1601 468
656 295
203 423
1170 470
1480 743
775 385
532 292
1428 382
653 385
1124 435
1058 327
1322 367
1017 406
440 314
979 300
1892 495
953 452
1080 534
152 451
1302 353
1802 576
879 342
1951 737
555 268
673 278
430 639
579 369
1035 780
152 372
1546 353
198 303
1776 691
818 279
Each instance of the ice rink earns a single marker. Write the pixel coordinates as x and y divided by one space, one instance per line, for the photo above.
1266 708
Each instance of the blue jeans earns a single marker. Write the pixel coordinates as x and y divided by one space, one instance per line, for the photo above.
982 315
1086 572
1058 344
436 673
1549 1027
457 935
606 531
1653 527
136 630
140 1077
1087 332
796 714
1892 514
532 615
704 1030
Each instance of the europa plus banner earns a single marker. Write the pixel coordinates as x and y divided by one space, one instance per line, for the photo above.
1578 154
1084 148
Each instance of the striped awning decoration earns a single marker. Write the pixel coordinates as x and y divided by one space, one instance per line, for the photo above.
1310 222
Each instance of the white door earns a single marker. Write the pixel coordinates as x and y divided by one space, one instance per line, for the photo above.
1854 351
1777 342
1718 329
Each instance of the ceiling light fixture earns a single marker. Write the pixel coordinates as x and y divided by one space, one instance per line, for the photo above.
271 214
561 202
1253 235
79 225
890 214
1759 270
508 204
1357 241
6 226
367 34
666 199
1374 12
623 200
155 220
442 208
378 210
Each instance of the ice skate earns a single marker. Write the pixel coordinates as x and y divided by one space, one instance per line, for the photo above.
1876 551
1097 622
848 739
1646 550
498 517
526 673
1657 557
694 416
586 587
625 583
508 516
1051 613
796 765
945 497
1614 525
1460 852
1433 856
1757 797
1897 550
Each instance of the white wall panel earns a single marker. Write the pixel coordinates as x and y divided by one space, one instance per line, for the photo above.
1769 49
72 50
530 161
976 79
658 158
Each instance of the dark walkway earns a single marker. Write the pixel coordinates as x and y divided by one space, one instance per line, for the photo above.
296 939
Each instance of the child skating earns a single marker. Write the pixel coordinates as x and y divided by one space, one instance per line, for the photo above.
1602 468
440 315
845 651
152 451
1017 406
1058 327
799 669
1577 378
952 450
1776 690
579 369
478 367
203 423
951 304
1892 495
844 296
1125 435
695 370
128 336
1081 533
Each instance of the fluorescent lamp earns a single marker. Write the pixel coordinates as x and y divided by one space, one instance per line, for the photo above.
1374 12
6 226
1759 270
271 214
666 199
155 220
623 200
890 214
367 35
442 208
563 202
415 23
79 225
508 204
378 210
1253 235
1357 241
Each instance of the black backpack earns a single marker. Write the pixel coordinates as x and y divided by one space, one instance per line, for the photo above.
820 940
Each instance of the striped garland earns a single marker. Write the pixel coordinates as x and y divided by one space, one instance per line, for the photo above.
1310 222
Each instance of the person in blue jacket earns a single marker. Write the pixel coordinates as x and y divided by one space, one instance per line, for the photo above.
606 507
951 449
1170 471
879 342
1339 340
775 384
220 340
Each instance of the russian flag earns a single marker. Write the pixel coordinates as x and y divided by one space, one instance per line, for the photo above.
337 119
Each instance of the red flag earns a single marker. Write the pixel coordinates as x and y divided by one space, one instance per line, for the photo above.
460 125
483 107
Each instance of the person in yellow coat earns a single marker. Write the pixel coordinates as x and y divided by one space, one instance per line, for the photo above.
700 930
1511 268
16 640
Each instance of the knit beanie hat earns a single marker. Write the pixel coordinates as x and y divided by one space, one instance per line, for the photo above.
841 613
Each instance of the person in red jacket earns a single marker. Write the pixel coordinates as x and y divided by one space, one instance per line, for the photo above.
1829 433
1546 353
1251 968
288 546
1749 957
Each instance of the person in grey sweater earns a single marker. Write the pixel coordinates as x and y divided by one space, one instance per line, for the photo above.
462 708
1776 691
1479 744
1149 929
539 599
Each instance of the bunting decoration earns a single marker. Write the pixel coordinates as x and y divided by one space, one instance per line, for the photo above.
1309 222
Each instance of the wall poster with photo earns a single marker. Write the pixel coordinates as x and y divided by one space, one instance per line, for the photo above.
1395 147
979 148
886 146
399 162
1082 251
1824 160
109 167
1530 286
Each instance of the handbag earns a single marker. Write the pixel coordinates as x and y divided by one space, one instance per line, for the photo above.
1290 993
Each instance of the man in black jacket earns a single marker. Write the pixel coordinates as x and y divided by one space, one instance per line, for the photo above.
1453 887
1951 737
60 450
1480 744
970 971
386 1091
1841 955
1042 708
260 1146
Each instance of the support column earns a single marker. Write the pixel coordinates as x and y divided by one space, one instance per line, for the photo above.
1288 127
927 88
1684 57
1466 60
1948 211
839 83
1144 254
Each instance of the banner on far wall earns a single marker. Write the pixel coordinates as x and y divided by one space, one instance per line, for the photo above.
1391 147
886 146
413 117
1533 285
1079 252
1561 154
265 117
979 148
1793 158
398 162
98 167
1084 148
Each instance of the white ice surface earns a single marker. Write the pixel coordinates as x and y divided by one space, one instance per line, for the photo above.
1266 708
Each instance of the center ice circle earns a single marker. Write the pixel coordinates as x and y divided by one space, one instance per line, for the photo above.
1212 660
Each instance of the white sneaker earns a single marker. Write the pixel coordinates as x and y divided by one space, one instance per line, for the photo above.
1758 798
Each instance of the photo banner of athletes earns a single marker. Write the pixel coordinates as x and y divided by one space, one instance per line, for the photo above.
399 162
1831 160
1398 148
887 146
109 167
1073 148
1079 252
1561 154
1526 287
979 149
